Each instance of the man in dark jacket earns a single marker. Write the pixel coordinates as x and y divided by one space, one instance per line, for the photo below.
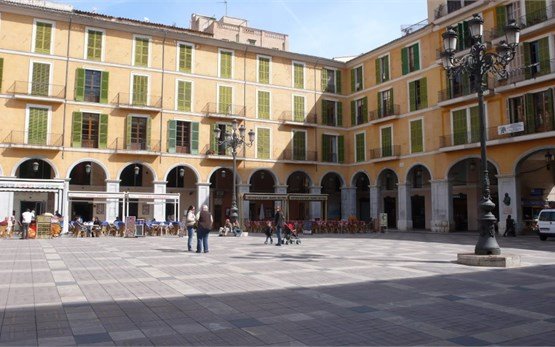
279 221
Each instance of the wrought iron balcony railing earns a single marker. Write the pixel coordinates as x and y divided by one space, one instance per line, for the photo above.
385 152
224 110
34 89
33 138
300 155
527 20
389 110
137 100
137 146
526 72
289 116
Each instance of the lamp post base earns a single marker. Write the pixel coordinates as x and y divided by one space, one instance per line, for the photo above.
507 260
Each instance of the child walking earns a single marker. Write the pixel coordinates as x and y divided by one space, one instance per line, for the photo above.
268 231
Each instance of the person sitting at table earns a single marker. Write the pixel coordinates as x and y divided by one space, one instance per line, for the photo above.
236 229
226 228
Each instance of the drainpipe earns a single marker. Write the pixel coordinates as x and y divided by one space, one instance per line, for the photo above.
65 89
162 92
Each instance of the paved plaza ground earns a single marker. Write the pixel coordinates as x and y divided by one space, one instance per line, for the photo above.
376 289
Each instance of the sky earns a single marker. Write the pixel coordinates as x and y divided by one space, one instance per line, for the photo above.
324 28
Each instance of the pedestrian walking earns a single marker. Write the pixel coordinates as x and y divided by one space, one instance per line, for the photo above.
26 219
190 221
509 226
204 222
279 221
268 231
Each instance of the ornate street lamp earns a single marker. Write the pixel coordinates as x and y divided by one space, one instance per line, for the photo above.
35 166
88 168
233 140
478 63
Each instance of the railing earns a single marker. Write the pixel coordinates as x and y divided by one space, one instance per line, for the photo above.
222 152
457 91
330 158
289 154
137 100
526 72
16 137
288 116
459 138
385 152
89 141
450 7
223 109
37 89
121 144
527 20
389 110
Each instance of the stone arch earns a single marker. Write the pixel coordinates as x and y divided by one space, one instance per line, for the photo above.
354 175
273 175
21 161
146 165
217 168
96 161
472 156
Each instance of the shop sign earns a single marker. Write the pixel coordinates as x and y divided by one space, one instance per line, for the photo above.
510 128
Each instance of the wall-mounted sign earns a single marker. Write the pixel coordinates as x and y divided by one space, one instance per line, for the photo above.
510 128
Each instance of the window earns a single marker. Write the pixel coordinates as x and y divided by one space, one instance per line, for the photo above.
263 104
37 125
183 137
464 39
298 108
298 75
387 141
416 136
359 111
360 147
138 133
94 44
504 15
185 57
331 81
40 81
454 5
410 58
214 146
140 90
184 90
333 148
357 82
418 95
382 69
226 64
463 120
91 85
225 98
142 45
515 109
332 113
535 12
263 143
539 112
43 37
299 145
385 104
264 69
536 58
90 130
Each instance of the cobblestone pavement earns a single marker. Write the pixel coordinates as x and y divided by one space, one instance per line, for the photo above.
378 289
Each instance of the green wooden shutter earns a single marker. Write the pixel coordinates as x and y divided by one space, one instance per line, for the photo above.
41 79
77 130
386 67
195 137
387 150
263 104
412 96
339 114
353 80
94 45
324 81
184 96
416 143
416 57
338 81
43 37
185 58
1 72
325 148
423 93
225 64
105 77
527 60
263 70
474 124
299 145
500 19
148 132
298 76
460 128
360 78
103 131
263 143
353 113
172 135
550 107
298 109
141 51
79 84
380 108
340 149
38 126
224 103
545 67
365 109
405 61
535 11
140 89
378 71
129 124
530 126
213 142
359 138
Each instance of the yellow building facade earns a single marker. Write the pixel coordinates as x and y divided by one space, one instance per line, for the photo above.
110 117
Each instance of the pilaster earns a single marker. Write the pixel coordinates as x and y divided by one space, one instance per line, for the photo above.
442 206
404 221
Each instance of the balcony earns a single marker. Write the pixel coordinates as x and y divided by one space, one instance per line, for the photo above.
309 120
221 153
135 147
37 91
139 102
459 138
528 72
527 21
223 110
22 139
299 157
388 111
451 6
390 152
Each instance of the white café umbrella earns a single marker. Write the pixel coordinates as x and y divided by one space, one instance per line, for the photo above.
261 215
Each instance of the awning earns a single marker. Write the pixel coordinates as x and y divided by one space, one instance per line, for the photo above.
264 196
308 197
11 184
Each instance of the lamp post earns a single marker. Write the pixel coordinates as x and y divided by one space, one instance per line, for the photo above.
478 63
233 140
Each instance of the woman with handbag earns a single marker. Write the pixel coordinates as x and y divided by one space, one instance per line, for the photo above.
190 221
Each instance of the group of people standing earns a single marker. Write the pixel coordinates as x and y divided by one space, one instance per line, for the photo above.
202 221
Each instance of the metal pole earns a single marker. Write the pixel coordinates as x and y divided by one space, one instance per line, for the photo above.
233 215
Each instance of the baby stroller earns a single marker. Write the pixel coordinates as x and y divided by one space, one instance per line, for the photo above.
290 235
